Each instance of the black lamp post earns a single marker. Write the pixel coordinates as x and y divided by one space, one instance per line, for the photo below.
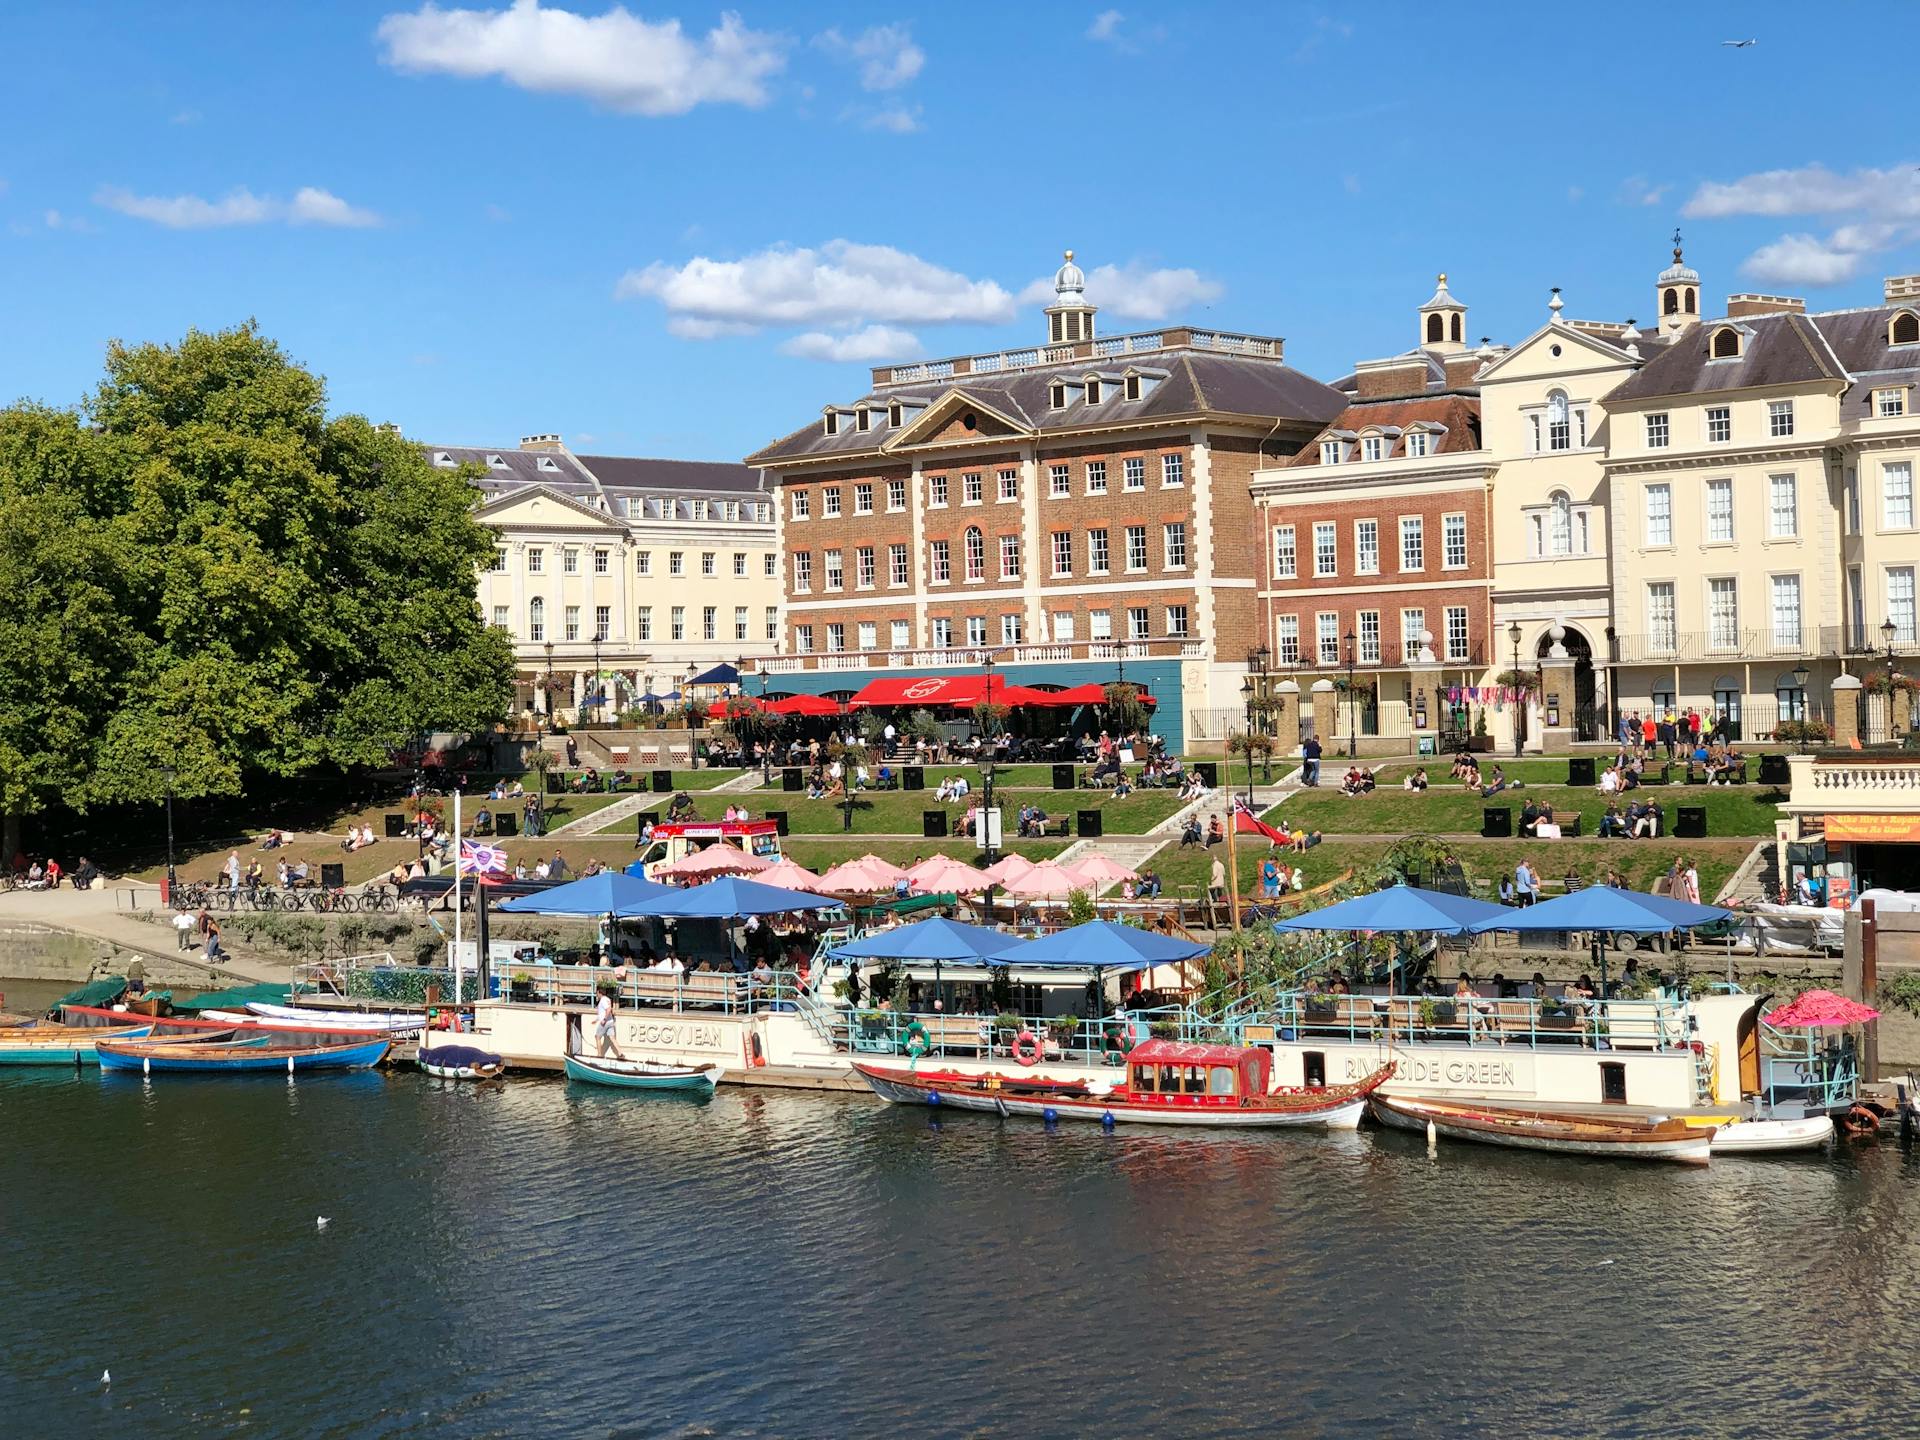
1246 696
168 774
598 714
549 684
1887 631
1800 677
988 724
1352 714
1513 634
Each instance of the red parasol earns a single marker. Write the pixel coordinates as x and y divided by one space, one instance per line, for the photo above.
1820 1010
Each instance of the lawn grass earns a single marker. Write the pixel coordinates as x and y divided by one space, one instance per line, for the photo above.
682 779
1450 809
820 854
560 809
896 812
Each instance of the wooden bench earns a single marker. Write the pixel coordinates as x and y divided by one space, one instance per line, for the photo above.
699 987
1058 827
1567 820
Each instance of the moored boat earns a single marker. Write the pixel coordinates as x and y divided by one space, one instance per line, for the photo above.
1771 1135
1564 1132
461 1062
242 1057
1167 1083
305 1017
60 1044
643 1074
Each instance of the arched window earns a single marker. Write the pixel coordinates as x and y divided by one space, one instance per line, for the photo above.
976 551
536 619
1560 523
1790 696
1453 330
1905 329
1559 426
1726 343
1693 301
1671 303
1435 330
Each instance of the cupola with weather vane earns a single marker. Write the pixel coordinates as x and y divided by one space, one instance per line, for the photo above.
1070 317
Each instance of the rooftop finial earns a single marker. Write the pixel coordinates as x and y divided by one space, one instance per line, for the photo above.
1555 305
1443 279
1676 245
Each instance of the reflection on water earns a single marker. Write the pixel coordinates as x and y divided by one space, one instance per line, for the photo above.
545 1259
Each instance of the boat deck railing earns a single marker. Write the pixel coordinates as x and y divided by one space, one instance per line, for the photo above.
1655 1024
1796 1068
713 992
937 1035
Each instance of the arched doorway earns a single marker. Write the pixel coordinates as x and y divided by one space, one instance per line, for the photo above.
1585 717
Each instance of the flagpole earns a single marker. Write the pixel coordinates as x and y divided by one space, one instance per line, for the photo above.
1233 829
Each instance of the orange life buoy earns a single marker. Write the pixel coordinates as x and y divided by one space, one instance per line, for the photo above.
1026 1048
1860 1123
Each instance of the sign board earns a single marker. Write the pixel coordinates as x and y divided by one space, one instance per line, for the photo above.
1429 744
1874 829
987 828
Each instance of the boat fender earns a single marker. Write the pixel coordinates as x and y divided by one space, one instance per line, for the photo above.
917 1035
933 1097
1026 1048
1860 1123
759 1055
1050 1115
1106 1119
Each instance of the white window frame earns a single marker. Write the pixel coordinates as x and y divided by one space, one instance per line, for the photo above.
1786 637
1173 545
1457 637
1659 430
1663 617
1177 622
1896 502
1100 551
1717 418
1722 641
830 501
1717 522
1326 549
1286 553
1286 639
1366 547
1061 551
1453 536
1326 637
1413 528
1059 481
1779 419
1788 481
1901 608
1173 470
1367 629
1096 477
1133 472
1129 536
1658 518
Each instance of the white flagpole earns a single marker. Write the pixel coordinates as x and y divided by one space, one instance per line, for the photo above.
457 832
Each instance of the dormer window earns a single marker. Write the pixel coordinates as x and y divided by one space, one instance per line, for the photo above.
863 419
1373 447
1726 344
1330 452
830 423
1419 443
443 459
1057 395
1132 387
893 415
496 462
1905 329
1093 390
550 465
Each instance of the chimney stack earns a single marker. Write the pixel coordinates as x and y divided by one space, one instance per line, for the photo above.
1740 306
1902 289
550 443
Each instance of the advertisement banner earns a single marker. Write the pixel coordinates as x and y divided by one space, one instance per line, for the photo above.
1874 829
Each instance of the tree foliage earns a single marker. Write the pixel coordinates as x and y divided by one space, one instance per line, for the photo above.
207 573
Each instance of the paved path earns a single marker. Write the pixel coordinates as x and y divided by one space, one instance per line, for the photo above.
104 915
624 808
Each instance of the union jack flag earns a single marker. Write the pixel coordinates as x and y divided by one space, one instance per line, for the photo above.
478 859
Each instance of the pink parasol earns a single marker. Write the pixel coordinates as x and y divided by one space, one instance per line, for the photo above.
939 873
1049 879
1100 869
712 861
790 876
1007 868
869 875
1820 1010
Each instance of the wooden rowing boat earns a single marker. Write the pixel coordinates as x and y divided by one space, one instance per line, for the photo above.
461 1062
643 1074
253 1056
1562 1132
60 1044
1167 1083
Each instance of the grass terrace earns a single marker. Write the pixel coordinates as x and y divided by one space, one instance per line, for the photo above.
896 812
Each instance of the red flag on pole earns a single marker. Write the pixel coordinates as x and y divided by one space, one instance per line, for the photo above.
1245 822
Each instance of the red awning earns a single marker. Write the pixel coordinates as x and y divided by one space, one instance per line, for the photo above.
804 705
1090 694
964 690
733 705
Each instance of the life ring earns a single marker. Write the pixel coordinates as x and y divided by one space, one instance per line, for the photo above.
916 1034
1027 1048
1860 1123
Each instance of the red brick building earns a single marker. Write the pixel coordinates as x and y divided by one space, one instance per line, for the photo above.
1081 506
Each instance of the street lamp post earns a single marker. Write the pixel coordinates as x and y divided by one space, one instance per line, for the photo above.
846 774
1513 634
1246 696
549 684
1800 677
598 695
168 774
1887 631
985 837
1353 725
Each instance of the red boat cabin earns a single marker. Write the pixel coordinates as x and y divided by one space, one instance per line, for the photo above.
1175 1068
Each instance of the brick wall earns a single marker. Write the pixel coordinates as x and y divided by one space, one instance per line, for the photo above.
1238 538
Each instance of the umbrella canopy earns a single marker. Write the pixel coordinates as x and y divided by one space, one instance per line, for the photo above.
939 939
729 897
1820 1010
789 876
608 893
1007 867
804 705
1091 695
1101 869
1407 907
1601 907
714 860
1049 879
869 875
942 874
1103 945
722 674
733 705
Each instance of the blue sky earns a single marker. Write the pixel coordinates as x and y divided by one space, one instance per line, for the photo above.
677 230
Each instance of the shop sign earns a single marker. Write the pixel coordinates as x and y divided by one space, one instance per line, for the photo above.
1874 829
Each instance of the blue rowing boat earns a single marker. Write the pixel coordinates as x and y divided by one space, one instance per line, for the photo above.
643 1074
246 1057
61 1044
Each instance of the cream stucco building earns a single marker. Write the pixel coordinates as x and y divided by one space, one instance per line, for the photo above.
643 572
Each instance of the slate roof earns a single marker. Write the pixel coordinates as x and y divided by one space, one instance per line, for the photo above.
623 472
1459 413
585 477
1195 383
1783 349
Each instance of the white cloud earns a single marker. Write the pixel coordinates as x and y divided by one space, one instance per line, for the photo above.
840 284
184 117
1638 190
886 55
1811 190
54 220
617 59
1106 26
309 206
1132 291
864 346
899 119
1110 28
1803 260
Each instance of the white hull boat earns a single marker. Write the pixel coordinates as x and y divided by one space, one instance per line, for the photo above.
1761 1135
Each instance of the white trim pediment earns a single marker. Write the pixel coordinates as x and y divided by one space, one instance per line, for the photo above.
1560 331
504 511
936 416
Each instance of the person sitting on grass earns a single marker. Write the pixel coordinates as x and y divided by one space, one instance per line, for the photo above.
1190 833
1216 831
1415 781
1305 841
1122 787
1470 777
1463 765
1495 783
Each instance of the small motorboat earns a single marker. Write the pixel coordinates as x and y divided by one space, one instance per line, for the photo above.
643 1074
1761 1134
1168 1083
307 1017
1564 1132
50 1044
243 1057
461 1062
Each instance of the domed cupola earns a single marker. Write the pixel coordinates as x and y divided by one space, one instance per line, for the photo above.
1443 321
1070 317
1677 293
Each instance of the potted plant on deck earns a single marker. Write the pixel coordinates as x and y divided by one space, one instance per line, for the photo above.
1556 1015
1063 1030
520 987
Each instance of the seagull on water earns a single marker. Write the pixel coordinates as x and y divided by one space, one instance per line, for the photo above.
1739 44
106 1377
320 1222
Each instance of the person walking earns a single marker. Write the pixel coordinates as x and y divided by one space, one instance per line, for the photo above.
1310 762
1217 881
231 870
183 929
603 1025
213 953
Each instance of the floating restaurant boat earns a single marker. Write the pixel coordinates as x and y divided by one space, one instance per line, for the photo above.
1563 1132
240 1057
1168 1082
60 1044
461 1062
643 1074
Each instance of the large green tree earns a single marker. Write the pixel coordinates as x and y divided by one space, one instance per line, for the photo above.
204 571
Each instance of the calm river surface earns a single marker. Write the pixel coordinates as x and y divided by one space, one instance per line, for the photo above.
536 1259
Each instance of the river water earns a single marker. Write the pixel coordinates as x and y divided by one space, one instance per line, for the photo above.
539 1259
